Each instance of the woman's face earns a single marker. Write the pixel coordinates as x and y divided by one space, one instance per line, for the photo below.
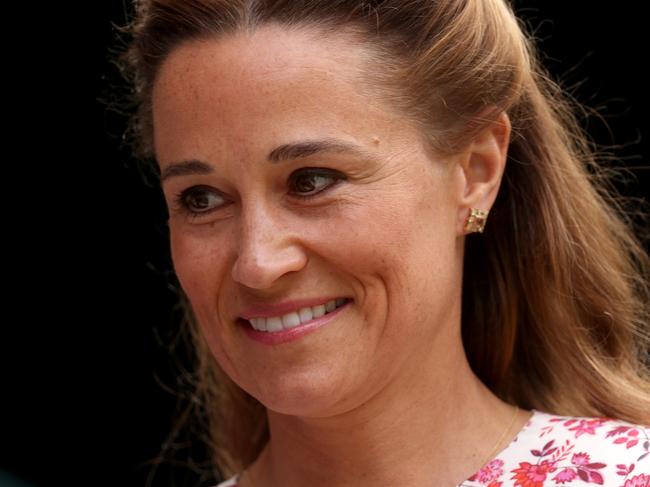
361 212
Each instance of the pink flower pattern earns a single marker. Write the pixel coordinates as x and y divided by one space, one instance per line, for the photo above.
490 472
638 481
552 451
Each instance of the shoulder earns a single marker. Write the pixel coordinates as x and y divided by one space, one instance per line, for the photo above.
231 482
553 450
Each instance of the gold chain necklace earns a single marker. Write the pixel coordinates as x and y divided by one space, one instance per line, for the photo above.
494 449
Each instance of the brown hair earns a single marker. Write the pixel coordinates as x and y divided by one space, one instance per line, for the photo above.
555 292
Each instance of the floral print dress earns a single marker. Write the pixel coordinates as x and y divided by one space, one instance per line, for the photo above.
553 450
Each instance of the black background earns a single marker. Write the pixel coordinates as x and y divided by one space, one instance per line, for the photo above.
88 310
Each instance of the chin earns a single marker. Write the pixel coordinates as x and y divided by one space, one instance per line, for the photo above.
303 398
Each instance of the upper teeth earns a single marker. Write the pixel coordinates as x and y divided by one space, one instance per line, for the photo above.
295 318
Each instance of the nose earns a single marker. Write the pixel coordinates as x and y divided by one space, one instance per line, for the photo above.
268 248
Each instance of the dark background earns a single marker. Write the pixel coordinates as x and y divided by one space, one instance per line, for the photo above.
89 316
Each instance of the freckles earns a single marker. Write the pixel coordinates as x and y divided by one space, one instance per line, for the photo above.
197 266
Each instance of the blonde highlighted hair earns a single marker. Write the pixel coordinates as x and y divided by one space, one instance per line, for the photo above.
555 292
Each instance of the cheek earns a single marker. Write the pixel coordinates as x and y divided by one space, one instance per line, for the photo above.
200 267
198 264
396 233
400 243
410 247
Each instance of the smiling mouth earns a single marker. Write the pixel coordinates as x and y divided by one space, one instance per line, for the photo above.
294 319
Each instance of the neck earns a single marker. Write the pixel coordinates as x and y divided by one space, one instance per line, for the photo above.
431 425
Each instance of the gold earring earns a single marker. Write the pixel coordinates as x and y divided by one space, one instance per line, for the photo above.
476 220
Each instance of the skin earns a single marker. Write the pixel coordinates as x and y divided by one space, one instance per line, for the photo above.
383 394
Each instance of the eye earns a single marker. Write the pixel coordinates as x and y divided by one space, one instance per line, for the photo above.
308 182
198 200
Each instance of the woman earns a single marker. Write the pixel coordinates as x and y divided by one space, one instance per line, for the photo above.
324 163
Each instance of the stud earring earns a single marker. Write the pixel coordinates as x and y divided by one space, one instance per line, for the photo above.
476 220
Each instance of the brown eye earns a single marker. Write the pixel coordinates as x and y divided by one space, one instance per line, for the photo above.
197 201
201 201
310 182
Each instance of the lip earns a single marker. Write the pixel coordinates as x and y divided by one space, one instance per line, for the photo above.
280 309
284 336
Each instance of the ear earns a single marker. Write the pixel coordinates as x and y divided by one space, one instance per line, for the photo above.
480 169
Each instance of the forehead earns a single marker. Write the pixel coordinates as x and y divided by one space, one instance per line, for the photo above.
292 79
243 66
271 48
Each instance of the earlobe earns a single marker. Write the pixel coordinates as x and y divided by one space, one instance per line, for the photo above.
483 165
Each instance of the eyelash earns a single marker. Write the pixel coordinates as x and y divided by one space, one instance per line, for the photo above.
182 204
316 172
181 201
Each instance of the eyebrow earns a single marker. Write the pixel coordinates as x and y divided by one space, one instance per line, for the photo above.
285 152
